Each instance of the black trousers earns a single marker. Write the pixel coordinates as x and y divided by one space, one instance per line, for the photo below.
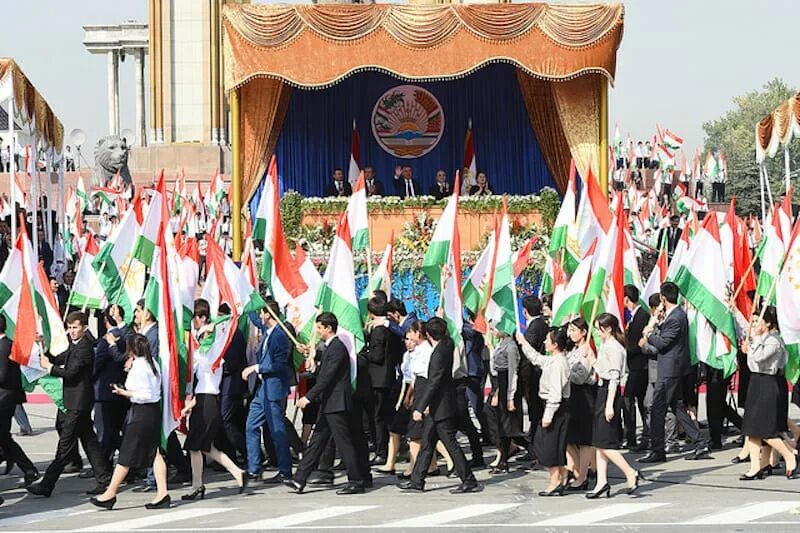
667 394
445 431
718 409
635 392
535 405
382 415
717 192
465 424
338 426
77 426
175 455
359 438
231 410
109 419
698 188
11 450
74 457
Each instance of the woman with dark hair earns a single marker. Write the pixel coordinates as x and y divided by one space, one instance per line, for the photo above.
142 434
580 453
481 187
609 365
550 442
506 399
767 406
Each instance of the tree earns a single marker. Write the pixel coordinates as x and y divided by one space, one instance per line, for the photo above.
734 134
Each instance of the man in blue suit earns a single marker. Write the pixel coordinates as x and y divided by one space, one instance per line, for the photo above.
269 401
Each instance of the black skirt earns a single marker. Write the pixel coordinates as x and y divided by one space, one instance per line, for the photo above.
581 414
142 436
767 406
204 424
508 423
607 435
400 421
415 428
550 443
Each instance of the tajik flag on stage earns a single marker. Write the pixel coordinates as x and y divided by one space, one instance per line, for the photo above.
381 279
605 291
357 217
152 226
469 161
563 244
568 300
501 310
354 169
121 276
657 276
477 283
87 292
702 285
594 218
442 265
770 255
338 293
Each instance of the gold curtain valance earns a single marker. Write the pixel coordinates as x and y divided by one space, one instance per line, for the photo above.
31 106
554 42
778 128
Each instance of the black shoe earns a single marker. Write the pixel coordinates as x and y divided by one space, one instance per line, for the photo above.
451 472
106 504
378 461
295 486
702 453
468 486
632 490
145 488
715 446
583 487
31 477
383 471
163 503
411 485
72 469
757 475
245 482
604 489
558 491
653 457
86 474
351 488
368 482
277 479
253 477
38 489
196 493
320 479
98 489
736 460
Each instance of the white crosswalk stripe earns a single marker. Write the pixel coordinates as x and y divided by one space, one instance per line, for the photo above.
458 513
157 518
26 519
747 513
598 514
303 517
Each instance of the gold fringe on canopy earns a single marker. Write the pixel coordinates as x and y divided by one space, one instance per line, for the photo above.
31 105
778 128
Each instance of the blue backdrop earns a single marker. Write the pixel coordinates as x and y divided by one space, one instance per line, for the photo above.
316 133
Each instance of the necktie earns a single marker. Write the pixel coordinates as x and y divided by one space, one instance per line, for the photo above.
339 186
408 188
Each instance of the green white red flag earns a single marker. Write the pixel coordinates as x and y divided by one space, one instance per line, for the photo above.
564 245
568 299
354 169
87 292
153 224
381 278
501 311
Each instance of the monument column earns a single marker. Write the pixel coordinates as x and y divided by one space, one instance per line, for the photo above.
141 127
113 92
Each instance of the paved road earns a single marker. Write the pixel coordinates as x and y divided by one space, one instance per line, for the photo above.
680 495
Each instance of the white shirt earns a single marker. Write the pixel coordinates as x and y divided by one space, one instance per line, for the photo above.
207 381
421 359
407 367
142 383
410 187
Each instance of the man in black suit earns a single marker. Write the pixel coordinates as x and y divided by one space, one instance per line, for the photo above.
75 367
441 188
638 364
671 339
334 393
338 187
373 185
109 369
10 395
381 375
231 394
404 183
535 333
437 404
672 234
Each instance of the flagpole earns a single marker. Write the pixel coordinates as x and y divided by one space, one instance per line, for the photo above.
34 194
744 277
282 326
12 152
761 186
61 212
49 213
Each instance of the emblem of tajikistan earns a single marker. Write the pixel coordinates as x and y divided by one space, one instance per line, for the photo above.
407 121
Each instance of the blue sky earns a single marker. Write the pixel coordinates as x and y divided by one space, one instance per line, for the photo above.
680 62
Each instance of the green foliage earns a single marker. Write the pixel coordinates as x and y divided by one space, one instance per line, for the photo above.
734 133
292 213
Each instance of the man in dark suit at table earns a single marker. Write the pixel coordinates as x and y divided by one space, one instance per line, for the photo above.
373 185
334 393
75 367
671 339
441 188
404 183
535 331
338 187
437 404
10 395
638 365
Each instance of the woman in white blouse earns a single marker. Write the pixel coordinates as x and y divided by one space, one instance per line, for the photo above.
609 365
506 400
580 453
142 434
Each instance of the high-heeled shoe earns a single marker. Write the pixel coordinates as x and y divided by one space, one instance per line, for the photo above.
767 470
502 468
791 474
245 482
104 504
583 487
198 492
558 491
632 490
757 475
163 503
604 489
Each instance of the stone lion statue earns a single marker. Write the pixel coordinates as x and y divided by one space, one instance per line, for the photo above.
111 156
